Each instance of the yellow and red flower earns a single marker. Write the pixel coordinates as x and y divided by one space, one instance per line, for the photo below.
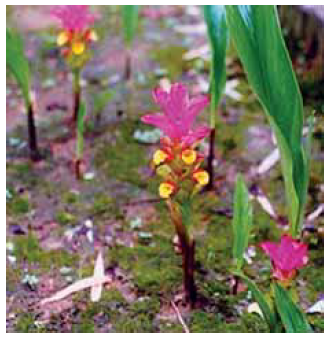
166 189
201 177
76 33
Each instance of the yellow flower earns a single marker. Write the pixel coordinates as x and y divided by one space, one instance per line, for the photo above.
63 38
159 157
166 189
78 47
201 176
92 36
189 156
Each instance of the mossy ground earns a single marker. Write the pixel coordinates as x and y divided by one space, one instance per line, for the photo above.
47 208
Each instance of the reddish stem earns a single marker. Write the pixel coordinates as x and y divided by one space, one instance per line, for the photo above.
32 133
211 157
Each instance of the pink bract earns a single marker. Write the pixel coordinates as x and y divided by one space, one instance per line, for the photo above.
179 114
287 256
74 17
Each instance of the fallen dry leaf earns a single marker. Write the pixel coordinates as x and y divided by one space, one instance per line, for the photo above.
95 283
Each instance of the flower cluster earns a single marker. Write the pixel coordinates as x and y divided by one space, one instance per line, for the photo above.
287 256
76 34
177 161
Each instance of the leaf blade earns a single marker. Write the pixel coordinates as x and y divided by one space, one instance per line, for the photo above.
268 314
292 317
215 18
242 221
130 15
17 63
260 45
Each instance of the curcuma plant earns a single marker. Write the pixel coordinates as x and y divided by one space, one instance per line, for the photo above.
278 305
178 163
74 39
18 65
257 35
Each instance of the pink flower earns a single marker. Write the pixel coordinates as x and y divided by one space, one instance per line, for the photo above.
287 256
179 114
73 17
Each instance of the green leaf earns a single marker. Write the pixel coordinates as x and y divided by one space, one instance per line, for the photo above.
257 35
242 221
17 63
307 156
130 14
80 130
218 36
292 317
268 314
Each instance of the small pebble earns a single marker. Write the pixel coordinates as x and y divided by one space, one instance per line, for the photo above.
89 176
10 246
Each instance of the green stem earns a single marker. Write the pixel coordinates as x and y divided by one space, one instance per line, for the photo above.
77 93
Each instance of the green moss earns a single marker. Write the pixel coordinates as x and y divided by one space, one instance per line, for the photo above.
26 324
317 322
169 327
65 218
155 268
201 321
140 323
313 274
214 322
103 203
139 317
123 159
253 323
17 206
23 172
27 249
70 197
111 306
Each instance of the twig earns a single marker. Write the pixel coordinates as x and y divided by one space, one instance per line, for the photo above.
180 318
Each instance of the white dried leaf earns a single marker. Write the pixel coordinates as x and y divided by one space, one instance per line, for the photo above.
269 162
254 308
318 307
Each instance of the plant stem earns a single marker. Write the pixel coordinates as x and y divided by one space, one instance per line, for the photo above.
210 159
78 171
128 65
77 93
235 285
33 145
188 251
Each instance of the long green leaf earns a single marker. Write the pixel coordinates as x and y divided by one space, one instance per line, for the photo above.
80 130
130 14
260 45
242 221
292 317
17 63
268 314
215 17
307 152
